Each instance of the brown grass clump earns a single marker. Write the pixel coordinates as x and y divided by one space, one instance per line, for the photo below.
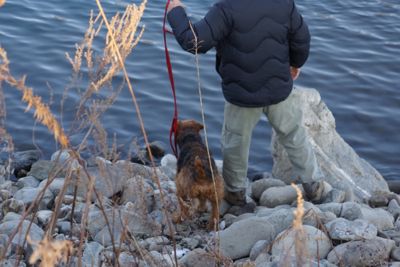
50 252
122 35
299 212
299 247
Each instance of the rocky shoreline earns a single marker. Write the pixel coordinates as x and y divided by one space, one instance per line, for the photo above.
119 213
336 233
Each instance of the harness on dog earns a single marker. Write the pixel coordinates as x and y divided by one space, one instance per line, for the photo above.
174 124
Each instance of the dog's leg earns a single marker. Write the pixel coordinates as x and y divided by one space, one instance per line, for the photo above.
202 205
184 208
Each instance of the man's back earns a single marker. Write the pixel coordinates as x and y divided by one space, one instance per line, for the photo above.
256 40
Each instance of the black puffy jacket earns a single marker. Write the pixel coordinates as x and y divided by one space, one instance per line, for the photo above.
256 41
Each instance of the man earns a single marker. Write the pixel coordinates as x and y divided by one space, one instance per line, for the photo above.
261 46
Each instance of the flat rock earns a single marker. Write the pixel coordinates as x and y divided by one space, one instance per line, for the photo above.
65 158
91 254
157 149
44 169
44 217
351 211
11 216
11 263
29 194
335 208
136 223
236 243
340 165
125 259
5 194
110 179
378 200
280 218
259 247
314 243
371 252
275 196
168 165
56 185
28 181
23 160
379 217
12 205
395 254
259 186
394 208
157 259
342 229
335 196
198 258
139 191
9 227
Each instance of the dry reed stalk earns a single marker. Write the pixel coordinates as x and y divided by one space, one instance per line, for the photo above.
6 142
196 47
50 252
299 247
299 212
124 30
120 57
42 111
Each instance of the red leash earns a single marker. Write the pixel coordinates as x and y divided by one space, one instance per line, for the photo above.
174 124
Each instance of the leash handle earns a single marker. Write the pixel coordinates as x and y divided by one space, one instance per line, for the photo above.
174 124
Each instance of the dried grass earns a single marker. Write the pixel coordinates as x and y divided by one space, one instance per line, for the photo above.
50 252
299 248
42 111
299 212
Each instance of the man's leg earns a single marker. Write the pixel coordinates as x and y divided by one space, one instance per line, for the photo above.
286 119
236 135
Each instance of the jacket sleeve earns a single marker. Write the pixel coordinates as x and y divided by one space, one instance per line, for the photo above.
299 39
214 27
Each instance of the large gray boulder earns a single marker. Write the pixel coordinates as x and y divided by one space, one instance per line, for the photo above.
342 229
381 218
371 252
275 196
340 165
237 240
311 242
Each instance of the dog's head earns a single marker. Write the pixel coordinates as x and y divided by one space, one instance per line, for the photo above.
188 126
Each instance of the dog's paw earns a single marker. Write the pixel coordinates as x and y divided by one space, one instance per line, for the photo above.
177 217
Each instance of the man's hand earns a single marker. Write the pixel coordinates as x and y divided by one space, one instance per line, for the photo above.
294 72
173 4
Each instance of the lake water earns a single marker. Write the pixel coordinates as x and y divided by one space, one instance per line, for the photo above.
354 64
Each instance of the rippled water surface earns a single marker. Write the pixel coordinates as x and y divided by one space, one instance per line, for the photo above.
354 64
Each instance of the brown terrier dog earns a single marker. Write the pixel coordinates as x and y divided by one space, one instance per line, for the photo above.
194 179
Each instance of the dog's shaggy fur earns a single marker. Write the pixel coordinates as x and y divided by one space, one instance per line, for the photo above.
194 179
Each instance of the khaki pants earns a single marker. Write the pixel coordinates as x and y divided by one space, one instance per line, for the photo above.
286 119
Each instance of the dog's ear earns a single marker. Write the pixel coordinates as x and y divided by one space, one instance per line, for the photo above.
178 126
198 126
